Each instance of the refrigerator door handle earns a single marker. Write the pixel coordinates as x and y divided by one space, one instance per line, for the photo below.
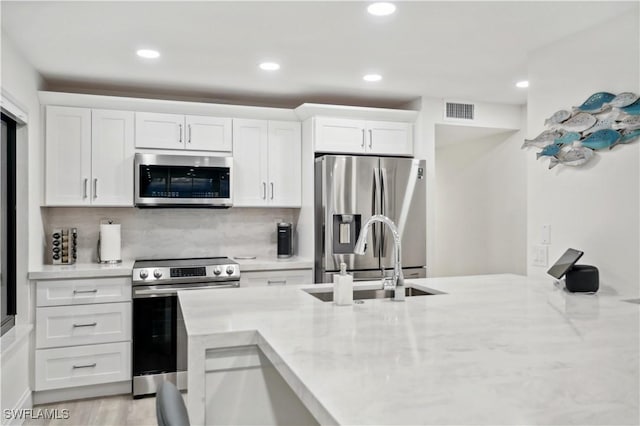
375 209
383 209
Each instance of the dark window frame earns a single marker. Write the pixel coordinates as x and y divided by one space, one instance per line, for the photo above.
8 318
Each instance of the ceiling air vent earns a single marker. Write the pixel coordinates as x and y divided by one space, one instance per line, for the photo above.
459 111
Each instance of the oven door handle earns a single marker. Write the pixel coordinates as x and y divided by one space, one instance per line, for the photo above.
159 292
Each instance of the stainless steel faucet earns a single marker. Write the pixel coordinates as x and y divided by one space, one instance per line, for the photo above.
361 245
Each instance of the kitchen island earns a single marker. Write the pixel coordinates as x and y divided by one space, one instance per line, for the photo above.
495 349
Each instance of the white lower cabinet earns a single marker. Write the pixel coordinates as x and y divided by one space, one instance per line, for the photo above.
83 291
82 365
83 324
276 278
83 333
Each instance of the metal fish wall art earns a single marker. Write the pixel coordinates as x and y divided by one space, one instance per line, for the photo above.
605 138
623 100
571 156
558 117
596 102
629 136
601 122
543 139
568 138
578 123
633 109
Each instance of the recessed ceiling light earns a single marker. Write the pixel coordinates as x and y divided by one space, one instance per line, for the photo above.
148 53
269 66
372 77
522 84
381 8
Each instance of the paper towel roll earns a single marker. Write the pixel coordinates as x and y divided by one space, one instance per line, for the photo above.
110 243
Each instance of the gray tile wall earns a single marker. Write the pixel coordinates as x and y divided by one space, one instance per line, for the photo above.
171 233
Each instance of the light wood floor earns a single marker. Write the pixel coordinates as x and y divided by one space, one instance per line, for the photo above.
120 410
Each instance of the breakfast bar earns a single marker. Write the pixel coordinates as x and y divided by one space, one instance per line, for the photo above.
492 349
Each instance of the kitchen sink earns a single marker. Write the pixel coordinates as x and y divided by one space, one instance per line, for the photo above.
327 296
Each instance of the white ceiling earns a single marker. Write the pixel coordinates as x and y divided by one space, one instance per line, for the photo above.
459 50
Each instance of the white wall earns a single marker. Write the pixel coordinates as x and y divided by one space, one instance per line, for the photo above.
20 83
593 208
480 203
487 115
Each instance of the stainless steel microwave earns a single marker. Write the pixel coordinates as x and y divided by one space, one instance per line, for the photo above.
182 181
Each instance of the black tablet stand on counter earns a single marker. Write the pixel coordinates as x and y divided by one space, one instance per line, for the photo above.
579 278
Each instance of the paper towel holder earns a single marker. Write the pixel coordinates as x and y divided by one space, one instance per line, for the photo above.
114 261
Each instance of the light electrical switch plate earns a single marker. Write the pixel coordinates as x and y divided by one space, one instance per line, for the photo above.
540 254
546 234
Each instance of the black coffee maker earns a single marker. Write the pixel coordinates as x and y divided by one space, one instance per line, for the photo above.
285 240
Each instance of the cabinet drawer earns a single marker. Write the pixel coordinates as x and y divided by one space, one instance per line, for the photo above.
82 365
275 278
83 324
83 291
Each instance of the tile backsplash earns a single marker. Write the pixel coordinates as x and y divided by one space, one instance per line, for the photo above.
173 233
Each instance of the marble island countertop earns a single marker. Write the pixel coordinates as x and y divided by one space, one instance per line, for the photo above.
496 349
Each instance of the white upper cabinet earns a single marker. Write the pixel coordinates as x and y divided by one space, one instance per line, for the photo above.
285 171
250 162
112 158
339 135
208 133
390 138
89 157
68 156
267 163
176 131
163 131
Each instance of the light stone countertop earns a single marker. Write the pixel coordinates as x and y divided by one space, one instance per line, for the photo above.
81 270
495 349
261 263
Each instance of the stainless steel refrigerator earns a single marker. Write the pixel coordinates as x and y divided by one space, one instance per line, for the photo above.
348 191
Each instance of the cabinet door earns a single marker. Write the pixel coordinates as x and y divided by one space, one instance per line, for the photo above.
339 135
68 156
208 133
250 163
285 164
389 138
112 158
276 278
163 131
82 365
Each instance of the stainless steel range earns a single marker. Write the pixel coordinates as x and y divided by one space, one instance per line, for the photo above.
159 339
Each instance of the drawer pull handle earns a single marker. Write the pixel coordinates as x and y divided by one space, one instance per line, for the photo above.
95 290
85 366
89 324
281 282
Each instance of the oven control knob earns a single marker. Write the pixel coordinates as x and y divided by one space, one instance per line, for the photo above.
144 274
217 270
230 270
157 273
